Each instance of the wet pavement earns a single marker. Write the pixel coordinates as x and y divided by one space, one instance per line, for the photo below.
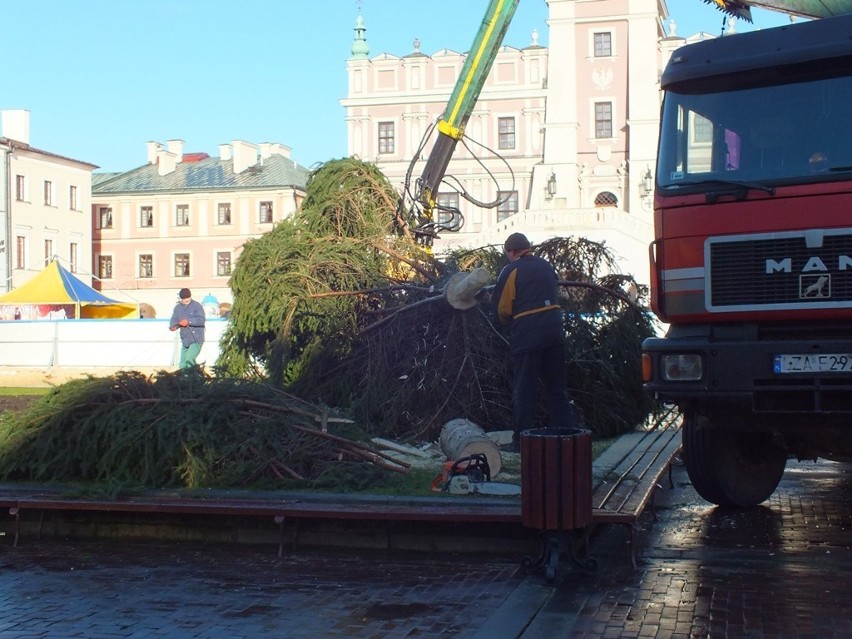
62 590
783 570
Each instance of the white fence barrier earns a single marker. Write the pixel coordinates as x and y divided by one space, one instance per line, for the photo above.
83 343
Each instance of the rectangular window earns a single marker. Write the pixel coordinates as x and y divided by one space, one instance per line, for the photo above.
265 212
146 216
72 257
224 213
508 204
105 267
182 265
72 198
105 217
48 251
603 45
603 120
20 188
386 137
223 263
506 133
21 252
146 265
446 201
702 130
182 215
48 193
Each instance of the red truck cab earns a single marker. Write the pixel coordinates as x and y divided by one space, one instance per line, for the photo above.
752 258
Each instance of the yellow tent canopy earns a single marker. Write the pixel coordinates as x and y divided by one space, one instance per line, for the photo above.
55 286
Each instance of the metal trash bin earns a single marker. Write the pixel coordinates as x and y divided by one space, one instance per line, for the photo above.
556 478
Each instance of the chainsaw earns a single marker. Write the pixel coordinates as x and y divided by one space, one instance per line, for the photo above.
459 475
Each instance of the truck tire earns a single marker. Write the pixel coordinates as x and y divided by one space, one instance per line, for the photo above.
749 467
698 452
731 467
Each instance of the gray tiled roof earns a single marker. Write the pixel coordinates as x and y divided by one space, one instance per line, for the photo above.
98 178
208 174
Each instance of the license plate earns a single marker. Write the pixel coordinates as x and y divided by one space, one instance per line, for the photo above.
821 363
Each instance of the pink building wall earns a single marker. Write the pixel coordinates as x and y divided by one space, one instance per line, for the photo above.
207 237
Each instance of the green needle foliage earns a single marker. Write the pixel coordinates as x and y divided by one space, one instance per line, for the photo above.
341 308
424 363
179 429
301 287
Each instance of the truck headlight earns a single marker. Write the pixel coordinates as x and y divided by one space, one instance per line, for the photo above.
685 367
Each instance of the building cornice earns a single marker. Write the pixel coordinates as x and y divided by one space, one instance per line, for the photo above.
14 145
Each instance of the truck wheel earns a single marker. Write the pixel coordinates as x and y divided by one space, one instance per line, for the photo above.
749 467
698 446
731 468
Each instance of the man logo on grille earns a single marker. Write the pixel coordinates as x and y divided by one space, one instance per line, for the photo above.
821 287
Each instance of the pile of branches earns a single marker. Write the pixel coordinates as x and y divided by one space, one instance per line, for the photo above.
419 362
340 308
418 365
182 429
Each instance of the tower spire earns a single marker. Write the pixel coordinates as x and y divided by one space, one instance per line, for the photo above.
360 48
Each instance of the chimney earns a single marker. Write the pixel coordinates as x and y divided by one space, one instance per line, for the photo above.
153 149
224 152
268 149
166 162
176 147
245 155
16 124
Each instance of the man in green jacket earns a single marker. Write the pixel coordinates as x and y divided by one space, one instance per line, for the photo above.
189 317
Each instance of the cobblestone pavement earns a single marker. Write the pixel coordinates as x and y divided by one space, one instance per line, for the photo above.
52 589
783 570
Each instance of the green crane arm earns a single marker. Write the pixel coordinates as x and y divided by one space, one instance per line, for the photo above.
452 122
481 57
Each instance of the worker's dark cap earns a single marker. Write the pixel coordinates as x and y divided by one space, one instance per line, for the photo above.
516 242
184 293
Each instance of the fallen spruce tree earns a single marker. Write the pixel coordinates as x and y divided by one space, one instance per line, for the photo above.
181 429
337 307
342 307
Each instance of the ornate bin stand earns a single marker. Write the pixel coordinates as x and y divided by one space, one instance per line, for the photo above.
556 493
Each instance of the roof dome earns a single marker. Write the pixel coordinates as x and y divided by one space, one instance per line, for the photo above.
360 48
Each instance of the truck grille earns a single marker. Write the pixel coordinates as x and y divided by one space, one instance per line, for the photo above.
781 270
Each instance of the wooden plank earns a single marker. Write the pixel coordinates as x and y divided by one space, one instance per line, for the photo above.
295 509
638 471
640 496
628 492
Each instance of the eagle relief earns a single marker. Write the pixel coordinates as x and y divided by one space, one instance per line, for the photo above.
602 78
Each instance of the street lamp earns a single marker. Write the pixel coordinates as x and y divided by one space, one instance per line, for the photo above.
551 185
647 189
648 183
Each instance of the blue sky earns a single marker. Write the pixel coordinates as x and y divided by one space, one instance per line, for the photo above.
102 77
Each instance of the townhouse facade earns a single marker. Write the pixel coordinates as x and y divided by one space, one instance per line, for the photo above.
565 135
45 206
181 219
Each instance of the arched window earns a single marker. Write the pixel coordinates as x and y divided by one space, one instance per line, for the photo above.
606 198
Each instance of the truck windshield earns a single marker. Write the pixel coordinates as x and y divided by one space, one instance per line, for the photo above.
760 135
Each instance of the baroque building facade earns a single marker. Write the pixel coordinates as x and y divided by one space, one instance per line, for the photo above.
574 125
